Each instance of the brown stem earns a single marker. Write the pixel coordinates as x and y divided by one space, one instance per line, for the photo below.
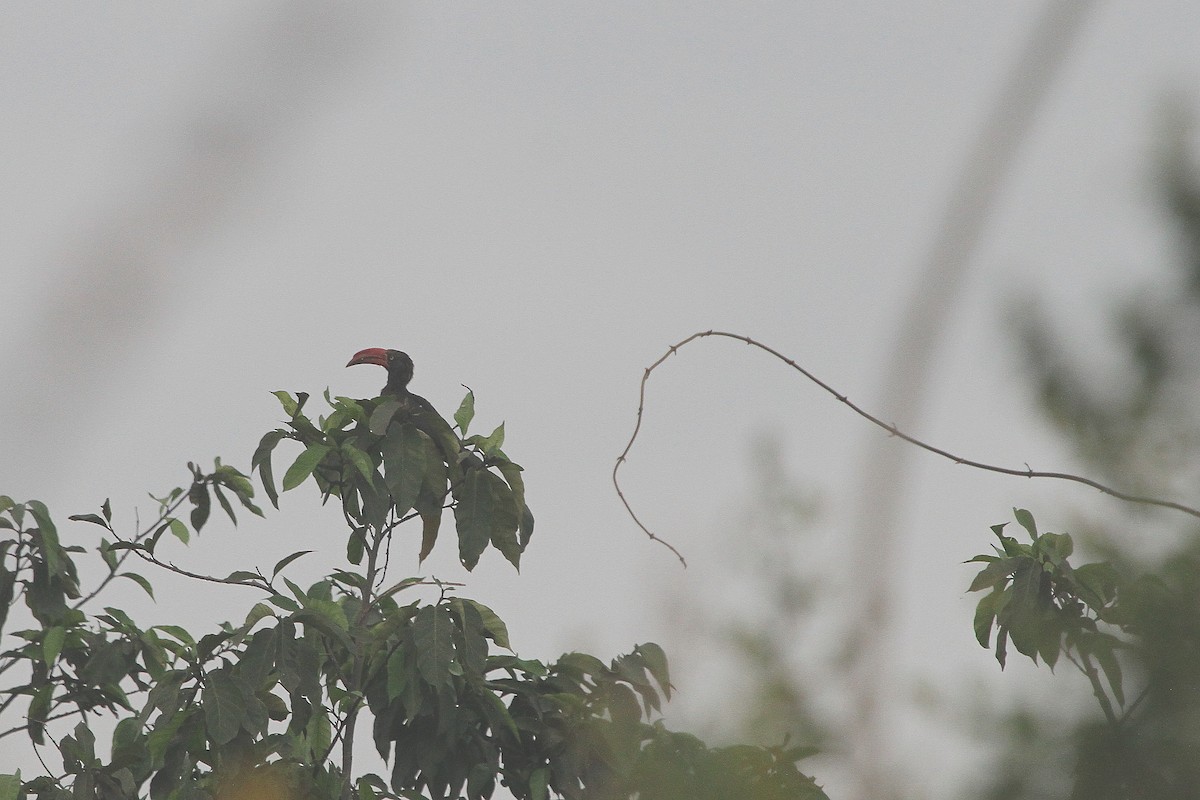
1026 472
1085 665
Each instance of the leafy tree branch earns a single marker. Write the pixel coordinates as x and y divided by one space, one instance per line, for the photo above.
274 705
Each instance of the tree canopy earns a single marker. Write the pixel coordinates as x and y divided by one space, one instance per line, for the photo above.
271 705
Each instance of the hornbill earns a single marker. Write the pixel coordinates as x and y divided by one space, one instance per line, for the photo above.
400 371
421 413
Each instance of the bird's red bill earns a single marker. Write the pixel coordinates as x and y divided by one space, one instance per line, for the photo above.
372 355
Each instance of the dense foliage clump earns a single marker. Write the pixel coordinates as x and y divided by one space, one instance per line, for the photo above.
272 706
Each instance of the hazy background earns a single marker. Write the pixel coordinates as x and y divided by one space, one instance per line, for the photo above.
205 203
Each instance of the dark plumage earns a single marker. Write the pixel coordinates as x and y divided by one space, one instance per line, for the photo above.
400 371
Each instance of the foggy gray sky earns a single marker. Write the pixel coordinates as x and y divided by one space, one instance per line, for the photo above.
207 203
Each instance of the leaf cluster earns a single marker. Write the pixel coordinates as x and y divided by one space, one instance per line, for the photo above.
388 461
271 707
1048 608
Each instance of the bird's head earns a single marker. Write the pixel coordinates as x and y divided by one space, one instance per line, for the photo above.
398 364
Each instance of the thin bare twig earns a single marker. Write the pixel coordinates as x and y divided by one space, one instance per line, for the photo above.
164 514
1084 665
261 584
1026 472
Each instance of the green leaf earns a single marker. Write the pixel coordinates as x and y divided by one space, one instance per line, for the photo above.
8 581
365 790
500 712
505 520
283 562
326 616
431 631
473 517
224 703
994 573
224 501
381 417
1096 583
334 422
52 644
1024 617
356 545
632 670
1049 639
470 640
360 460
95 519
494 441
376 503
304 465
140 581
525 529
397 673
165 733
128 744
262 462
404 451
582 662
985 614
430 500
286 603
202 503
431 522
656 662
177 632
300 594
1055 547
398 586
290 406
1025 520
494 627
238 483
52 551
39 709
10 786
623 706
512 474
465 412
127 546
448 444
120 619
259 611
109 663
318 733
178 530
538 784
277 709
1013 548
352 407
257 659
